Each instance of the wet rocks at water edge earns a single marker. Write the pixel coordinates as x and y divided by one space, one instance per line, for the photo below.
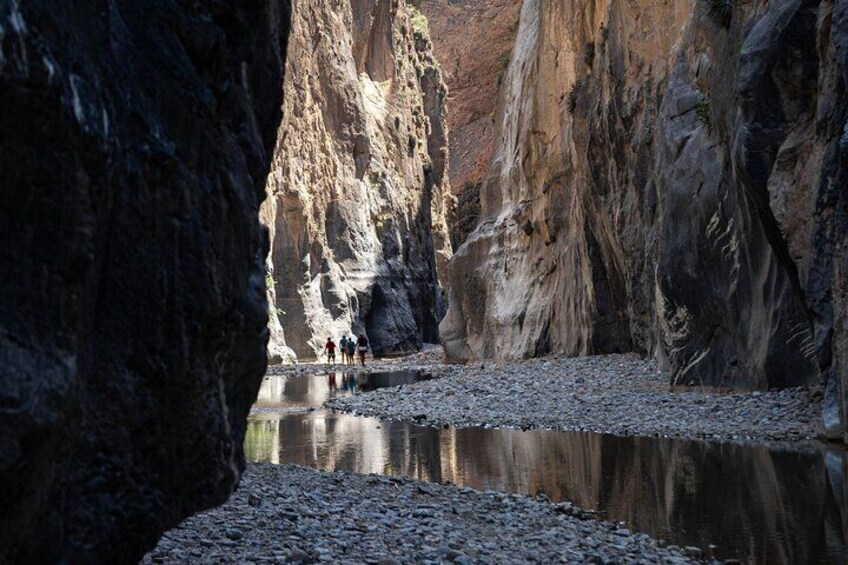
618 394
311 516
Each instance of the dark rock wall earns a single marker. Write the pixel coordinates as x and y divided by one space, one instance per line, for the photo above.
669 180
135 138
827 279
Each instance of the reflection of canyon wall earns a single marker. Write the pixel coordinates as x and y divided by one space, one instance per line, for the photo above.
473 41
737 496
356 194
135 140
755 504
666 181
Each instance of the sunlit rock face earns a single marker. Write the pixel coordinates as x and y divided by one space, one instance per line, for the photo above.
356 194
667 179
135 141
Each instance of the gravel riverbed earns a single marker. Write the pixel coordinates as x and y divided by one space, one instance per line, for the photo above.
288 513
617 394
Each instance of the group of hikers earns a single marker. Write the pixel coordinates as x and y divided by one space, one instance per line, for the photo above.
348 348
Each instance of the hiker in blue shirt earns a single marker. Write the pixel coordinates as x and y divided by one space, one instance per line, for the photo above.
343 349
351 349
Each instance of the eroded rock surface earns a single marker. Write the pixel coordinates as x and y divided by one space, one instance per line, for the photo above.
473 41
356 195
135 139
668 179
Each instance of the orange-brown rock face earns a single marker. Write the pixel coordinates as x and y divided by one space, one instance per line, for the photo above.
356 192
473 40
562 218
667 178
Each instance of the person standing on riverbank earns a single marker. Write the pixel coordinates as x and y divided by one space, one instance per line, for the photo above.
351 350
343 349
330 349
362 346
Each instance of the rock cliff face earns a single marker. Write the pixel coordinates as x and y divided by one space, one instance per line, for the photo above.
135 139
473 42
668 179
356 194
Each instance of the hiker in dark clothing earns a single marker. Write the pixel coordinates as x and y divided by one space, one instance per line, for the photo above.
362 347
343 349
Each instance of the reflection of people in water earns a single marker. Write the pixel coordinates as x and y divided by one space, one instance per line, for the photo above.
363 382
349 383
331 382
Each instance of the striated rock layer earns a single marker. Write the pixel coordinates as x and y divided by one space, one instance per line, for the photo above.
135 139
668 179
356 194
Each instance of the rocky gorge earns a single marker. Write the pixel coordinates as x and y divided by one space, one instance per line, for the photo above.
636 231
667 179
356 193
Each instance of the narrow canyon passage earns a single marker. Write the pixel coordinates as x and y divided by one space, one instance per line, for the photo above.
356 202
589 257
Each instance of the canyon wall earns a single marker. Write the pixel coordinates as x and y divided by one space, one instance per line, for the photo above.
668 179
473 41
356 194
135 139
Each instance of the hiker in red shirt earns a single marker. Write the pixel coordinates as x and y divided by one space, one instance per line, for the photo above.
330 348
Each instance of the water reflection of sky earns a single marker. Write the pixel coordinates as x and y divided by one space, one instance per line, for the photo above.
768 505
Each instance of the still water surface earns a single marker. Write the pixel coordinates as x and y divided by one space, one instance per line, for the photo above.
756 503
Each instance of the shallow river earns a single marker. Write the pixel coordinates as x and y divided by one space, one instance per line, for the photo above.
754 503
